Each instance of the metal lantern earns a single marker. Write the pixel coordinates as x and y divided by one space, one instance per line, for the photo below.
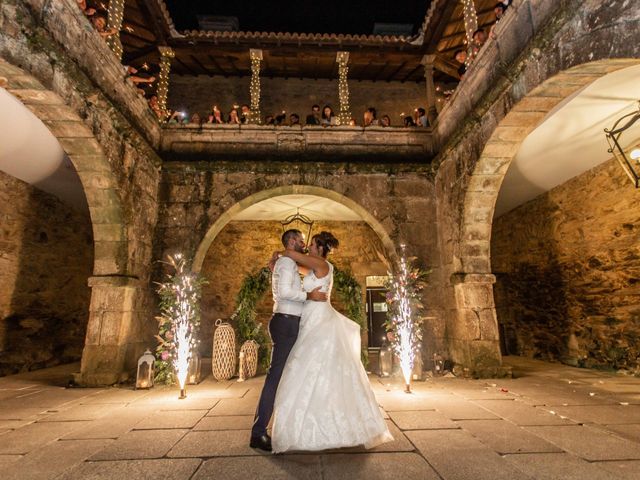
385 361
223 363
299 222
417 372
624 143
144 377
195 369
438 364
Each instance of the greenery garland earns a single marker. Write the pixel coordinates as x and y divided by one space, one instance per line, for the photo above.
255 285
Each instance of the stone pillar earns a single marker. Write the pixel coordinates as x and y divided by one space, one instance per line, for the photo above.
344 117
254 87
475 342
116 15
166 54
111 317
432 111
470 25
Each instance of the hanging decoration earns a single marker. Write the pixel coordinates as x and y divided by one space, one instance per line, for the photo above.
344 117
404 321
470 26
254 86
223 363
166 54
179 322
116 16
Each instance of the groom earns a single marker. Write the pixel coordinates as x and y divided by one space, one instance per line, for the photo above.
288 300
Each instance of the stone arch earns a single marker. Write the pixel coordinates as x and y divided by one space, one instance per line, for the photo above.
488 173
228 215
113 289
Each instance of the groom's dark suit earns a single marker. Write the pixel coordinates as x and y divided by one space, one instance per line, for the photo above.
288 300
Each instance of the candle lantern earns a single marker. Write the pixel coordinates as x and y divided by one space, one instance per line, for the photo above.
224 351
438 364
417 372
385 361
195 369
144 377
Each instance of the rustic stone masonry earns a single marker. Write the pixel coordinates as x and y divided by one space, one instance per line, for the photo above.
545 51
568 272
46 257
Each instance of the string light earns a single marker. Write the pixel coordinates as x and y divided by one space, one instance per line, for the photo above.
470 26
254 86
116 15
166 54
344 117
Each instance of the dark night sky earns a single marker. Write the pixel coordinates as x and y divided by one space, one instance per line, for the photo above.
322 16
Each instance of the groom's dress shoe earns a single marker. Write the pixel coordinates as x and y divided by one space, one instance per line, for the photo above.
263 442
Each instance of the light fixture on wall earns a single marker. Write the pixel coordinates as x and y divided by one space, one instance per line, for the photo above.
624 143
299 222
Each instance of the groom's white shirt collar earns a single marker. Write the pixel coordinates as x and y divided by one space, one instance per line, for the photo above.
288 296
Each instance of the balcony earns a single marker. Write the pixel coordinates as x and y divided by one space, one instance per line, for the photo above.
339 144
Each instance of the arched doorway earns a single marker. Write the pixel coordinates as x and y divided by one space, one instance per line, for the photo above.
248 237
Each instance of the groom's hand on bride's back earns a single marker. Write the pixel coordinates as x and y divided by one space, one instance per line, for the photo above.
316 295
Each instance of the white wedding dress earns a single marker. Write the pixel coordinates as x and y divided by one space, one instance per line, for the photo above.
324 399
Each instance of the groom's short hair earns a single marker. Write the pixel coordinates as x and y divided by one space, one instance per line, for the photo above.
288 235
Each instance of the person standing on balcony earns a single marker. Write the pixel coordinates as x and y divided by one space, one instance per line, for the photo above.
233 116
314 117
245 114
370 118
328 117
421 117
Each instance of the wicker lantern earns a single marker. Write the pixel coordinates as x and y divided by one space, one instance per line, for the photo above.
223 363
248 360
144 377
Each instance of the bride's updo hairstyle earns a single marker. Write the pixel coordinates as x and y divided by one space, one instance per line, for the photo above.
327 241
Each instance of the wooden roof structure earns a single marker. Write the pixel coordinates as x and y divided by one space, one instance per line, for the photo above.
148 24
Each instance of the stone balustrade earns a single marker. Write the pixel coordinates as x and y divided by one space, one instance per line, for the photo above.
209 142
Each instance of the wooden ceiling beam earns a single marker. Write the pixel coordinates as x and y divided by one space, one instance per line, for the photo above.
195 60
186 67
138 54
396 71
432 37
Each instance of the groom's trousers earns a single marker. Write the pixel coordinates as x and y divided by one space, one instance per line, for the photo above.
284 333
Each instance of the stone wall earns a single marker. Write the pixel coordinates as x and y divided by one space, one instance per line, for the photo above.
568 272
46 257
244 247
199 94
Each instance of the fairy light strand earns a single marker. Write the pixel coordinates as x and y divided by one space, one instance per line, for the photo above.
470 26
254 86
344 117
116 16
166 55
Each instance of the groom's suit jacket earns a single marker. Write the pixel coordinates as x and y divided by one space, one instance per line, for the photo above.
288 296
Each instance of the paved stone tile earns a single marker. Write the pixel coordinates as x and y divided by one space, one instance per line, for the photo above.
457 409
52 460
505 437
235 406
555 466
171 419
377 466
630 432
234 422
588 443
81 412
35 435
164 469
116 395
20 413
111 426
424 420
400 443
214 444
521 413
49 398
141 444
169 400
626 470
14 424
602 414
280 467
399 401
455 454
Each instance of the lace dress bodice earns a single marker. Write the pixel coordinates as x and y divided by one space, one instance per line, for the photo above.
311 282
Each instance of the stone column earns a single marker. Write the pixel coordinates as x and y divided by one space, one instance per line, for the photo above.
116 15
432 111
111 316
166 54
470 25
254 87
344 117
475 338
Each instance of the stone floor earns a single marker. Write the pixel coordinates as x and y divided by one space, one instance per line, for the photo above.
552 422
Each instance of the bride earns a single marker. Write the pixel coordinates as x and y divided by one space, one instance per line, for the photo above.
324 399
